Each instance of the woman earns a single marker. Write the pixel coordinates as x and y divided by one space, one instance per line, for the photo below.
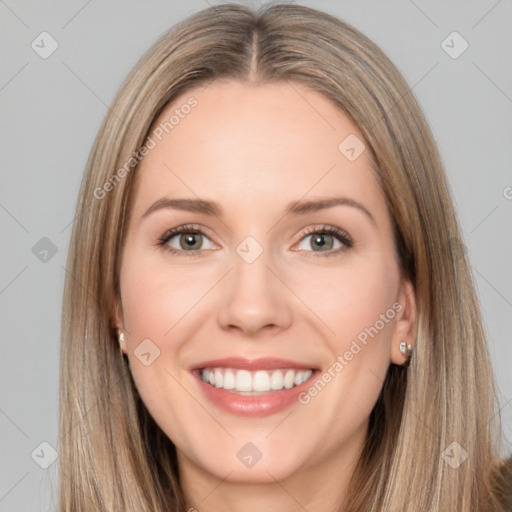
255 370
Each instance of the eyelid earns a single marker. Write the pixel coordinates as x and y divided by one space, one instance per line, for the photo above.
183 228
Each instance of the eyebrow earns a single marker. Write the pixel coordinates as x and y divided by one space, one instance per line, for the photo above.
295 208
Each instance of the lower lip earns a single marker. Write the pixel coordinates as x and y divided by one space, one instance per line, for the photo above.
255 406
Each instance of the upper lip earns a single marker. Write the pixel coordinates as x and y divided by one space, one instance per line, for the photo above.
264 363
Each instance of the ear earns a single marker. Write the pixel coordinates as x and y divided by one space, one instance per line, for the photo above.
405 327
118 323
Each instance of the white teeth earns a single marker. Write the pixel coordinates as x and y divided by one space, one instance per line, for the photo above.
261 381
276 380
218 378
243 381
229 379
288 379
258 381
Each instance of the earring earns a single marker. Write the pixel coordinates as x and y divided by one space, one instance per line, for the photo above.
122 343
405 349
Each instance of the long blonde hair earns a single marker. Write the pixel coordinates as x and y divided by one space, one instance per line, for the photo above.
113 456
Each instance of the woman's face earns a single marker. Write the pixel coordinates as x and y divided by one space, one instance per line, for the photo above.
284 271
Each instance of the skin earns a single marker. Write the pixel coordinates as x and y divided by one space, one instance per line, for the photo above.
254 149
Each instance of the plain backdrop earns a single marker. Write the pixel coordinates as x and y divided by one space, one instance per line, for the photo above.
52 108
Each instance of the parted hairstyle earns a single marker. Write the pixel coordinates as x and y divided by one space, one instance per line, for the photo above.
113 456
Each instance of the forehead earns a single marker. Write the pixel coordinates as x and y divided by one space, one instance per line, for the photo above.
241 144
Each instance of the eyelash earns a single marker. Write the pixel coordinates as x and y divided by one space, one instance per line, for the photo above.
324 230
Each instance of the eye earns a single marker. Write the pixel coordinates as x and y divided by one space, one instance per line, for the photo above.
187 238
191 238
325 239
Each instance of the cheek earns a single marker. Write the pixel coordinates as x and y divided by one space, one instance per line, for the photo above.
156 296
356 303
351 297
161 304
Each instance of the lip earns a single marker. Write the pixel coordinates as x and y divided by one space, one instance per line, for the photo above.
263 363
252 406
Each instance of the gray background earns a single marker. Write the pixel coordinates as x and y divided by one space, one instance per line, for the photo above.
53 107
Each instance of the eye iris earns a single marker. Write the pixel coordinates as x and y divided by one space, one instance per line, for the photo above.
319 239
190 241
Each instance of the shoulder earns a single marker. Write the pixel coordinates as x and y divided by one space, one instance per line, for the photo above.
503 484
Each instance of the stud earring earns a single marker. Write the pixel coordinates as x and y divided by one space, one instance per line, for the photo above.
405 349
122 343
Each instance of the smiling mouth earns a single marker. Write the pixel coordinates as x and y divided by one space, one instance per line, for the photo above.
245 382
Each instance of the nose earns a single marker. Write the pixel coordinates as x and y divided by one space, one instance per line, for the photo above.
253 298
